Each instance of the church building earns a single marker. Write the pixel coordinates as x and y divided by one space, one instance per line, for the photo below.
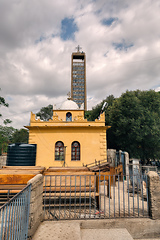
68 139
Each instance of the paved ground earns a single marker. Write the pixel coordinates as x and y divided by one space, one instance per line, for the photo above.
123 203
58 231
73 230
105 234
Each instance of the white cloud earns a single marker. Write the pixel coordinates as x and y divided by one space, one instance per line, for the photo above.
35 62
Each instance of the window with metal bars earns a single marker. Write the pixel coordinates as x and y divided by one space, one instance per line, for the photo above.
59 151
75 151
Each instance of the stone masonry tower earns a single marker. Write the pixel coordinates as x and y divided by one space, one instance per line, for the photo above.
78 78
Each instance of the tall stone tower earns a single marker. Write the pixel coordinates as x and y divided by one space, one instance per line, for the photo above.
78 78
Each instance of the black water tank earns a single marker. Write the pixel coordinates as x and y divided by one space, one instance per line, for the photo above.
21 154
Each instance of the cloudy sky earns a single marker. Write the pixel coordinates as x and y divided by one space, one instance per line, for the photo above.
121 39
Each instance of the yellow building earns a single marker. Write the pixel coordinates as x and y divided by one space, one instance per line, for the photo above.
68 139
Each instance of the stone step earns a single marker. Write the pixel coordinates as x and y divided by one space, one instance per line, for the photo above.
126 229
72 231
58 231
105 234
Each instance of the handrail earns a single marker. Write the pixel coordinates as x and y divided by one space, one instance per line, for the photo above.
15 196
14 216
96 163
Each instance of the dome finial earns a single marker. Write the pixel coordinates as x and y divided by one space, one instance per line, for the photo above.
69 96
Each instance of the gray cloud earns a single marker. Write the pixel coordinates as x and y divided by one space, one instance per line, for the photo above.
35 60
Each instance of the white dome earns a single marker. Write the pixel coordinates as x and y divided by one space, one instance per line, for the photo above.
82 106
69 105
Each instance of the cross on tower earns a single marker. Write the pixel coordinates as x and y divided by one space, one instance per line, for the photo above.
78 48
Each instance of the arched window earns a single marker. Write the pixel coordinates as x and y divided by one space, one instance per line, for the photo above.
75 151
68 117
59 151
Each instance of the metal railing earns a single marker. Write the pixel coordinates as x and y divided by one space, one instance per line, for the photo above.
96 163
95 196
14 216
8 191
146 169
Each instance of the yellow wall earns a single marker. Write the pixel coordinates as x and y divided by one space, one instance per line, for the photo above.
62 113
90 135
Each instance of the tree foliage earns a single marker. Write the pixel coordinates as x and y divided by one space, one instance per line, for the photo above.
5 137
10 135
3 103
20 136
45 113
95 112
134 118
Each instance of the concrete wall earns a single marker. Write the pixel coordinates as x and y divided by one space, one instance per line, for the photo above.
92 145
154 195
126 154
111 158
36 204
3 160
139 228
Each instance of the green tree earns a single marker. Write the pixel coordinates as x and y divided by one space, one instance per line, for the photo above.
134 118
45 113
5 132
3 103
135 124
5 137
10 135
20 136
95 112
